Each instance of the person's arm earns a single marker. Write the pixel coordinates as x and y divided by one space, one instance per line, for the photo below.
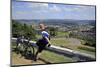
48 41
45 35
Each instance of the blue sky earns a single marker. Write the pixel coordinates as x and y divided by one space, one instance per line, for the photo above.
30 10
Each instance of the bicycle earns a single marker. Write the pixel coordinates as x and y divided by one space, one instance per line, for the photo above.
28 49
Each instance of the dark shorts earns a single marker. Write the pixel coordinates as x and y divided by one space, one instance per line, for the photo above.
41 44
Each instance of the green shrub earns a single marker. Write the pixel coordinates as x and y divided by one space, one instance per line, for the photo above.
87 49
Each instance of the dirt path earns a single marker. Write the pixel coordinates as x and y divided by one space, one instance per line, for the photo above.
73 41
18 60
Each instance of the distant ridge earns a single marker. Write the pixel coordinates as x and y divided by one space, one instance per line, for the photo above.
55 21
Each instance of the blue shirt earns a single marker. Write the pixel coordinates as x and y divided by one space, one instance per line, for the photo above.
44 35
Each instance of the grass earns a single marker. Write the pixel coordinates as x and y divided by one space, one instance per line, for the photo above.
63 42
61 33
48 56
59 41
87 48
13 45
38 36
55 58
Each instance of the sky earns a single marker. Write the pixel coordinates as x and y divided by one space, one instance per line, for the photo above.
32 10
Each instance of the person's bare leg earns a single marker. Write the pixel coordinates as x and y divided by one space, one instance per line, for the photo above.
37 55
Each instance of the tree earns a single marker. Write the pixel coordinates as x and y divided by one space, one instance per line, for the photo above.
22 29
53 31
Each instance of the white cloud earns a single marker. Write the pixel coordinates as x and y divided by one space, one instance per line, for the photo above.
68 9
43 7
38 5
72 9
55 8
83 7
75 8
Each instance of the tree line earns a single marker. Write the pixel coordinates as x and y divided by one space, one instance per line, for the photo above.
19 29
22 29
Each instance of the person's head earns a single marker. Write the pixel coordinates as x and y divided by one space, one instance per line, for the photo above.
42 26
